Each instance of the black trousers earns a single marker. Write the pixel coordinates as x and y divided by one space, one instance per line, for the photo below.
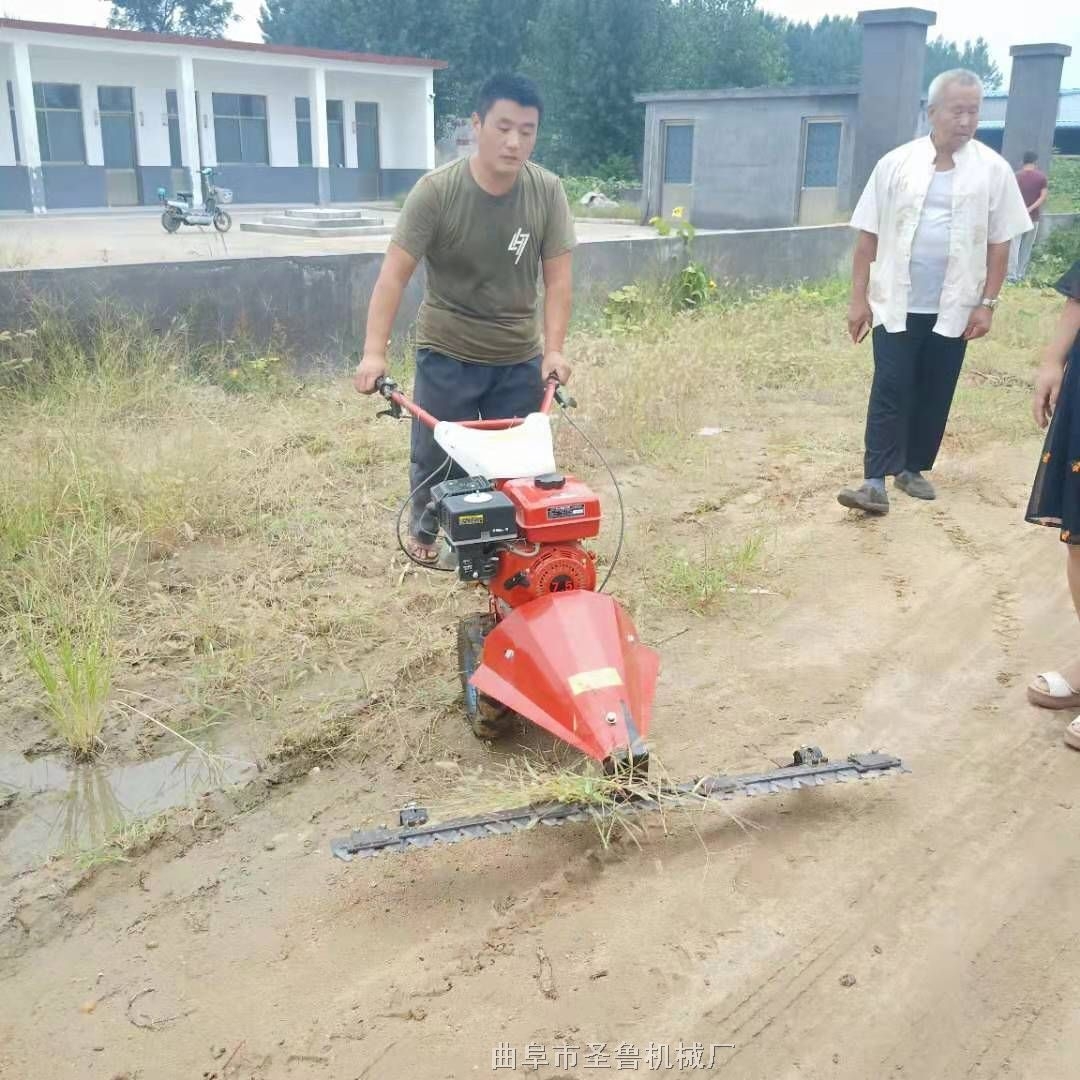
915 375
453 390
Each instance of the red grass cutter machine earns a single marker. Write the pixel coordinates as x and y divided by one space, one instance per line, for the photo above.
552 647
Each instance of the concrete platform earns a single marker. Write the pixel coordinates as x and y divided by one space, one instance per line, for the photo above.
335 227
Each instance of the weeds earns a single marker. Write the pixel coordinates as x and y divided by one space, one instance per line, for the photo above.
697 582
225 545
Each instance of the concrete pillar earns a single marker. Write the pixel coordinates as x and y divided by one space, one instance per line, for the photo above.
429 160
26 116
188 115
91 117
320 140
1032 108
893 62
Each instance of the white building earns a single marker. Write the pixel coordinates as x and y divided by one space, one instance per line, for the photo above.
98 117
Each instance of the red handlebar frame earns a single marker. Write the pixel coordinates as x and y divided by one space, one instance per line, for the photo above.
389 391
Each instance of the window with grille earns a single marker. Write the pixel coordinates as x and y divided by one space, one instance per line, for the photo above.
821 166
240 129
303 131
60 123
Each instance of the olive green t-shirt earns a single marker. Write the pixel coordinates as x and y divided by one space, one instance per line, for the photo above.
483 255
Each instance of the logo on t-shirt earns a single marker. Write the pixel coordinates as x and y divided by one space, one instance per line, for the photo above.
518 242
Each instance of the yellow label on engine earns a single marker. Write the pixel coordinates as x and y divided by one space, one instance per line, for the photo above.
594 680
471 519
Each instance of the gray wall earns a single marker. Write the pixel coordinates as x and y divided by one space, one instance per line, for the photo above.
69 187
76 186
14 188
393 182
151 177
315 306
268 183
1050 223
747 156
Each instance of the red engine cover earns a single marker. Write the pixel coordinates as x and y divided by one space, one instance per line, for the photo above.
554 515
526 575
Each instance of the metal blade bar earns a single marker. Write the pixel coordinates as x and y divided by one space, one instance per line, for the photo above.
365 844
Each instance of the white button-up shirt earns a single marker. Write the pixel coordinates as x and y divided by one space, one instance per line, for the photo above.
987 208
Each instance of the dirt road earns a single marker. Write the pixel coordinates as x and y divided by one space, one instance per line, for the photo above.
920 926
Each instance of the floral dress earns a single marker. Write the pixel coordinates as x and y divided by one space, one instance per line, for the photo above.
1055 497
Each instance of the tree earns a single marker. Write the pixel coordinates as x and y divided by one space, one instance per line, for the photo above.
829 52
476 37
589 61
942 55
198 18
826 53
711 44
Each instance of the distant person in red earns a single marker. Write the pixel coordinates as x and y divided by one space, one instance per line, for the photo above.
1035 188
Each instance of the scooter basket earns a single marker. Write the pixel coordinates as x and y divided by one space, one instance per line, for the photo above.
224 195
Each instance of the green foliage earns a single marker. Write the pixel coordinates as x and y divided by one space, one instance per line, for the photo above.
590 59
829 53
1054 257
198 18
253 375
626 309
576 186
942 55
1064 181
825 53
475 37
693 288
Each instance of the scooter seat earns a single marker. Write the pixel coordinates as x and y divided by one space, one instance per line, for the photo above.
183 194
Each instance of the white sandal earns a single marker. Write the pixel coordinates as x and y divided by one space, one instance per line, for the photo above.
1072 734
1057 695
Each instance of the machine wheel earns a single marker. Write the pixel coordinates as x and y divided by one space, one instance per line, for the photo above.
222 221
170 222
487 717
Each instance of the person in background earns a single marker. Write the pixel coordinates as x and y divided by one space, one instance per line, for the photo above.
935 223
1035 188
1055 497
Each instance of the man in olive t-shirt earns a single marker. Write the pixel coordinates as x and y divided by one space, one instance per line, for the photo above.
485 227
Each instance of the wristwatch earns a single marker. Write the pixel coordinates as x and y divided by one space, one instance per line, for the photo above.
989 302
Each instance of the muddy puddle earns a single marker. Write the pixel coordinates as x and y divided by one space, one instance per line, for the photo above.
51 805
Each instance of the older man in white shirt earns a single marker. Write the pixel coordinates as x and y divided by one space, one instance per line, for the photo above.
935 224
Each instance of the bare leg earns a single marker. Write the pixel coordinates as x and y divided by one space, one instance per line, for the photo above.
1071 671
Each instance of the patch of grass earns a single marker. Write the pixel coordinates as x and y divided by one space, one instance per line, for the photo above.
1064 186
124 843
77 680
697 582
230 551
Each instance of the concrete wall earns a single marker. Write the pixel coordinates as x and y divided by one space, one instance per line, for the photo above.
747 156
71 187
1051 223
315 306
14 187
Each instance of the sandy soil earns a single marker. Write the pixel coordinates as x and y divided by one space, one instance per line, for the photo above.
919 926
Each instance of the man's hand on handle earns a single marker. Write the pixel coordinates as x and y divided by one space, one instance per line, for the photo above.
859 319
554 363
371 368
